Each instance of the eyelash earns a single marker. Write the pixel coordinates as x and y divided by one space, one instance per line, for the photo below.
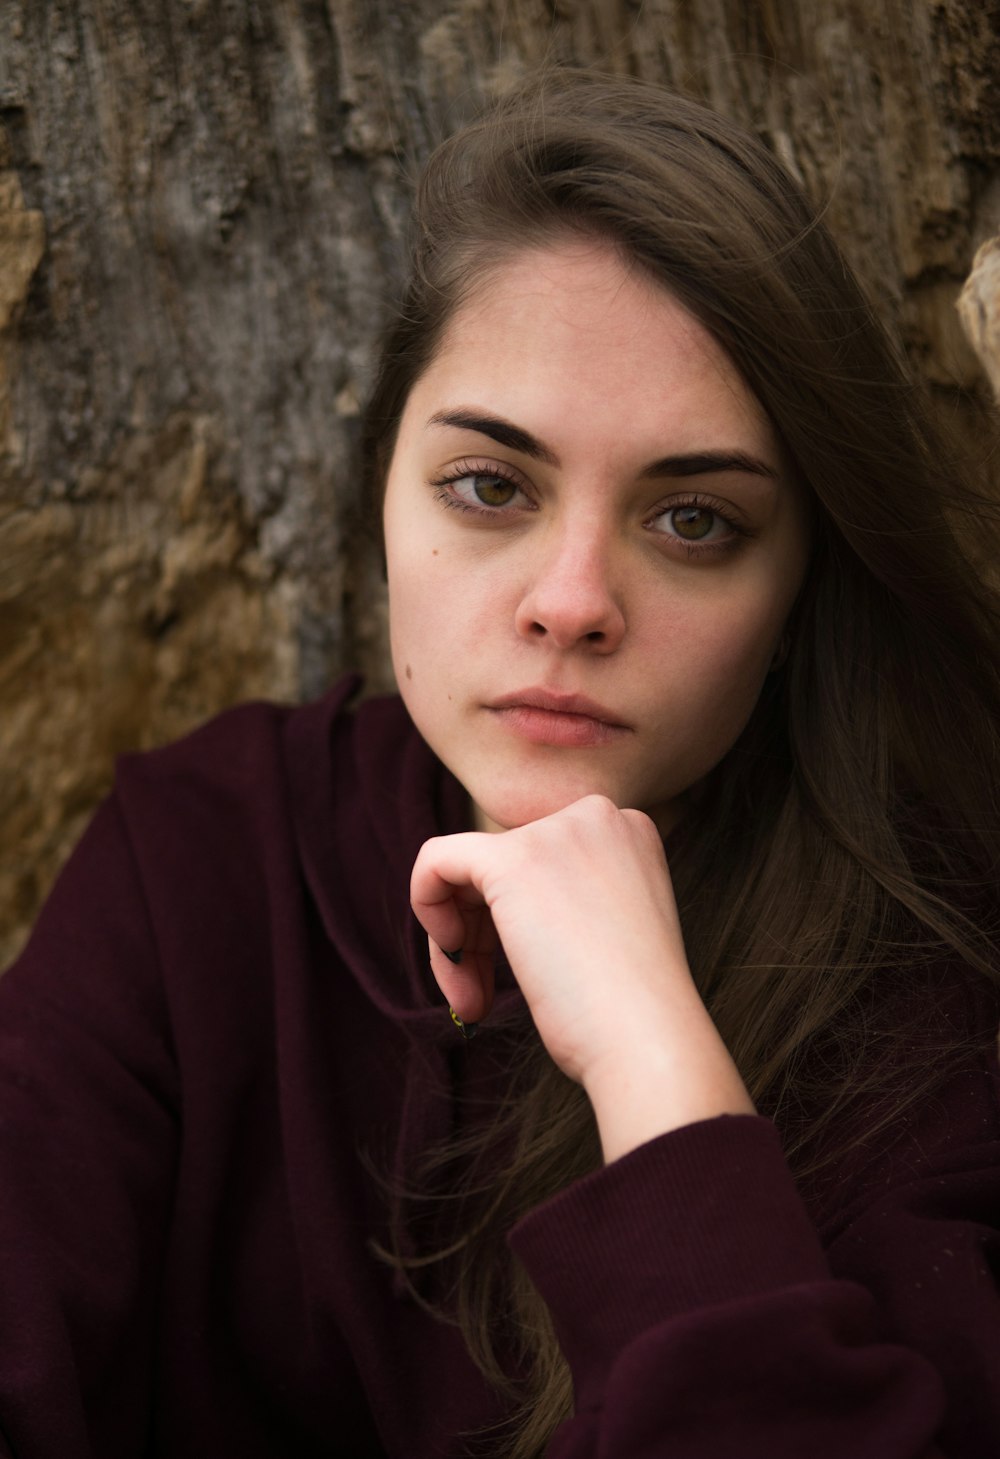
720 510
464 469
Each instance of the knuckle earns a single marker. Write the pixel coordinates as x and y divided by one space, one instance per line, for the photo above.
643 827
600 806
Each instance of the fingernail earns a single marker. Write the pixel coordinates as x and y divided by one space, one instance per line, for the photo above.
453 957
467 1030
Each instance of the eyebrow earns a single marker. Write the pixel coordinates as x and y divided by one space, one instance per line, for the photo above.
701 463
504 432
515 438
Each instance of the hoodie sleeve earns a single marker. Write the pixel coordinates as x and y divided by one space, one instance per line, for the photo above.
702 1317
87 1147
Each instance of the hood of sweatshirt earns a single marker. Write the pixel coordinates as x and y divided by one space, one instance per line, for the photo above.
367 792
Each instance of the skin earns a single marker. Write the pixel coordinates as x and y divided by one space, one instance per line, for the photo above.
586 553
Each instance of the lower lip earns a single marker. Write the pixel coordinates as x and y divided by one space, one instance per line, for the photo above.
552 727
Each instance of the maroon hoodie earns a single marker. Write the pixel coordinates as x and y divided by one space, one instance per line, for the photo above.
224 1028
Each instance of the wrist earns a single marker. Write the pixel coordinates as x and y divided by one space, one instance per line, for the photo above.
647 1089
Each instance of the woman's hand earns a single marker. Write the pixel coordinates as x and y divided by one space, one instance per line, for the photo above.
583 905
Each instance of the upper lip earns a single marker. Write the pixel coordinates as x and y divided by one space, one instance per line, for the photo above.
552 700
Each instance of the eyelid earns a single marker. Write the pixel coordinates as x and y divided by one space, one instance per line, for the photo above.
445 483
725 511
480 466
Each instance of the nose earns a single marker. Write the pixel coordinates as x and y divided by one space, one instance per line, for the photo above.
570 600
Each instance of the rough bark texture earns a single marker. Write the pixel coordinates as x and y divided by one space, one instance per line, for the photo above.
979 310
201 209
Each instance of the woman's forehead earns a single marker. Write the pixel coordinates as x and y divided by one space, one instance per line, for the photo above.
570 338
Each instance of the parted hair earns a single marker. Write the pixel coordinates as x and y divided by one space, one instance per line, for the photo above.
849 843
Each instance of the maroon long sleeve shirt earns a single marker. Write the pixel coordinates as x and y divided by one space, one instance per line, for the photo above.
223 1023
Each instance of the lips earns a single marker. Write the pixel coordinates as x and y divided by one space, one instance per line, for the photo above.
557 703
546 717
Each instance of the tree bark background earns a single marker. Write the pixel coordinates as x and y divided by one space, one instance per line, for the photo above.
202 206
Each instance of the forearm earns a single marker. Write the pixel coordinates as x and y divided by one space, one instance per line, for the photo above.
659 1079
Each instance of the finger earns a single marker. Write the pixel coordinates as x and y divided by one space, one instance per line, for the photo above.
444 885
467 986
466 980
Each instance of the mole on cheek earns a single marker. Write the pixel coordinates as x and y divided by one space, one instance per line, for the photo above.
409 672
434 552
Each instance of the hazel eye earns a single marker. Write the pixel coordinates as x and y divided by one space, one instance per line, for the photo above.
484 489
692 523
492 491
696 524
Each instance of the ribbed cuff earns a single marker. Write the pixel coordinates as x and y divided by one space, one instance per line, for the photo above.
706 1214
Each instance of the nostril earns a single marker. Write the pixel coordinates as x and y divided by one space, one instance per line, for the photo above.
595 636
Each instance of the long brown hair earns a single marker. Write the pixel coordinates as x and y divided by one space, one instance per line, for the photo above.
850 838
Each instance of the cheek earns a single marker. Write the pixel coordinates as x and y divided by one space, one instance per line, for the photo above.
426 613
743 635
719 663
740 655
730 641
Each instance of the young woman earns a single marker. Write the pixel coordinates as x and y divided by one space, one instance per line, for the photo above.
692 790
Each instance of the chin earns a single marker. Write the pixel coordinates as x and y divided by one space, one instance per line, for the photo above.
506 812
503 808
514 806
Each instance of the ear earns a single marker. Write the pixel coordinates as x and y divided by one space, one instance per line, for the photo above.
781 652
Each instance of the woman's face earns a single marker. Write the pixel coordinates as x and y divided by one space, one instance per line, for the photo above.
593 542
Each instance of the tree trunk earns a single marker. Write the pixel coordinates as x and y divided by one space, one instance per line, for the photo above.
201 212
